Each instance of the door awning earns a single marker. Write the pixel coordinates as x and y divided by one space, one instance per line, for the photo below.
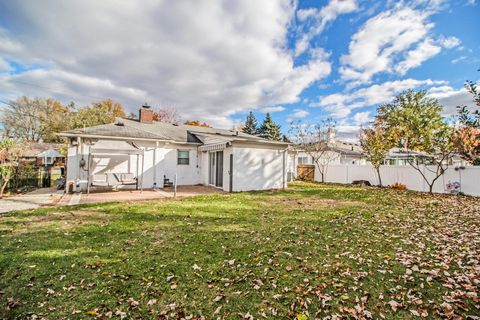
214 146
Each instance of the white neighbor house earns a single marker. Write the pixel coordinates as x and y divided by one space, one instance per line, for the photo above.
148 154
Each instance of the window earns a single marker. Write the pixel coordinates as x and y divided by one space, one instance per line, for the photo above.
302 160
183 157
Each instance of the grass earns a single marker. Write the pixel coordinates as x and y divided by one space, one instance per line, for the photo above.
312 251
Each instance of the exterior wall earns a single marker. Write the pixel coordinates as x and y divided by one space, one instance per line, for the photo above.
468 178
255 167
160 160
258 167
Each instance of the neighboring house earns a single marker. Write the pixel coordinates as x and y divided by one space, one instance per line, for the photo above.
400 157
339 152
148 154
43 154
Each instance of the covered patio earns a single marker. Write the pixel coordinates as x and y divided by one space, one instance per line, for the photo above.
123 167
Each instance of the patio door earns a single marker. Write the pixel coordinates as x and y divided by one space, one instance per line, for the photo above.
219 169
215 165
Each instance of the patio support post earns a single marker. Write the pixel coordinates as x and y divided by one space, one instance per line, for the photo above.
136 169
143 163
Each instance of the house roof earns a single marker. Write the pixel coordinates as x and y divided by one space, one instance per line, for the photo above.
347 148
40 149
160 131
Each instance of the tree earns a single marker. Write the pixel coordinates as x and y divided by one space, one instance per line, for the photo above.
101 112
54 120
22 119
251 125
10 152
414 122
467 136
375 145
467 117
316 141
196 123
166 114
270 130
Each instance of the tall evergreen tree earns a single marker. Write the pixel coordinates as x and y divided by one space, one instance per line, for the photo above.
270 130
251 125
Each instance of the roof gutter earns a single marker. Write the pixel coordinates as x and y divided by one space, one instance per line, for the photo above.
93 136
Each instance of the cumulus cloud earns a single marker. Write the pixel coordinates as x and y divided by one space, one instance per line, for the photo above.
340 105
450 98
316 20
297 114
449 42
362 117
376 46
209 61
4 65
414 58
272 109
394 41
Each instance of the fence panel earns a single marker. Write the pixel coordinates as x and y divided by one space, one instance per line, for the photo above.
468 179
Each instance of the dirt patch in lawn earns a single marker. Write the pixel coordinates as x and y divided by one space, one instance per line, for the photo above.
315 203
62 220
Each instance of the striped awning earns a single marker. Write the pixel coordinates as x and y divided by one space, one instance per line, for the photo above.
214 146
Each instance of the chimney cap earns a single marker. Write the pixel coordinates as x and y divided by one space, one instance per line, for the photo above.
146 106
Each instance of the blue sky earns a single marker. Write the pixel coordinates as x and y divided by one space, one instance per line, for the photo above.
218 60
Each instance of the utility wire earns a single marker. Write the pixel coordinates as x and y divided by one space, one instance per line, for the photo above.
51 90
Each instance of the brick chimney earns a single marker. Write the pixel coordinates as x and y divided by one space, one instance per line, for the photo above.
145 114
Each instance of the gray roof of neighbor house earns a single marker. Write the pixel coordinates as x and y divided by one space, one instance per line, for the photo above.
160 131
38 149
347 148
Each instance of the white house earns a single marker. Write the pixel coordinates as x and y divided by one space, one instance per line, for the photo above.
148 154
339 153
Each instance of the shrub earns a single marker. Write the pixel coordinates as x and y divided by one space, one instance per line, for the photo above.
398 186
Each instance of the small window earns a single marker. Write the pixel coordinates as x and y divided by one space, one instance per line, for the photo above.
302 160
183 157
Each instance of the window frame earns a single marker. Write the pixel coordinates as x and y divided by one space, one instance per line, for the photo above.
179 162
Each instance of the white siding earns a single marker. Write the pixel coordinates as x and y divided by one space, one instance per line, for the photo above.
258 168
159 160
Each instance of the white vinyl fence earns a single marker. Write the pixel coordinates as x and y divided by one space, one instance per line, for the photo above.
466 180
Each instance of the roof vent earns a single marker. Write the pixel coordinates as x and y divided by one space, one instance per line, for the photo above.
120 124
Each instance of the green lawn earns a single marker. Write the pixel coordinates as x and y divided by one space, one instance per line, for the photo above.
312 251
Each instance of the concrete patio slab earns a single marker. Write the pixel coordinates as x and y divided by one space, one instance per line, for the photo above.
135 195
31 200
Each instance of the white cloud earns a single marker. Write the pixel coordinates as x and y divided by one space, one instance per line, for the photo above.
4 65
414 58
450 98
449 42
395 40
362 118
319 18
297 114
340 105
209 60
457 60
272 109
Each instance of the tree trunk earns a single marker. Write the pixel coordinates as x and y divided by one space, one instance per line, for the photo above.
379 177
4 185
430 187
